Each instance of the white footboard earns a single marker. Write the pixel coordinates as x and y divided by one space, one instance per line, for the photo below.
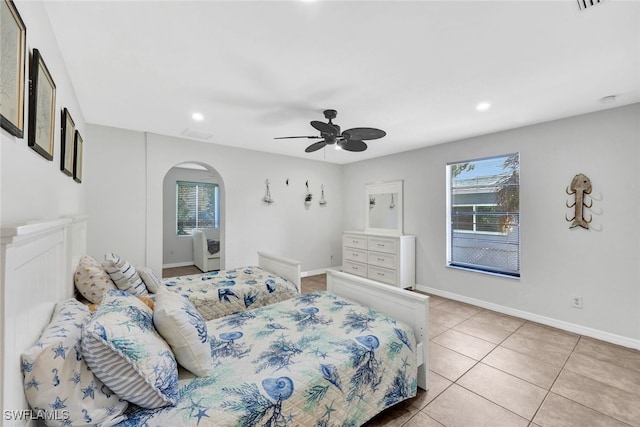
285 267
409 307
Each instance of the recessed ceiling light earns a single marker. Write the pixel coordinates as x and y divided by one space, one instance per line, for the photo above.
608 99
483 106
198 117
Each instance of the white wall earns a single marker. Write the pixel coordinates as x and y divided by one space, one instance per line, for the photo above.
126 213
32 187
600 264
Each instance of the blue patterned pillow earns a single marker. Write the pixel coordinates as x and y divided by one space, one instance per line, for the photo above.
178 321
124 350
124 275
57 378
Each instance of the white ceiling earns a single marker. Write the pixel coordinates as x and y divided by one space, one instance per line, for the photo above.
416 69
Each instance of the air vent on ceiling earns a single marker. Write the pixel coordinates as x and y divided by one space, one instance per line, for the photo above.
587 3
196 134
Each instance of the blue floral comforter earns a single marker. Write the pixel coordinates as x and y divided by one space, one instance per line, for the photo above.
221 293
316 360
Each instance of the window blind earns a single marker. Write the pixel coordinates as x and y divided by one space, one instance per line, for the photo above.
196 206
484 214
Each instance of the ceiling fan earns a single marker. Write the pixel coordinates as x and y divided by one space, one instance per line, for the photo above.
350 139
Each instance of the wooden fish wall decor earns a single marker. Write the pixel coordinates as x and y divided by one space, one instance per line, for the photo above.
580 186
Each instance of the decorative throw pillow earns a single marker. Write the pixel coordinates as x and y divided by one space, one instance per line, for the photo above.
91 279
178 321
150 279
57 378
124 275
124 350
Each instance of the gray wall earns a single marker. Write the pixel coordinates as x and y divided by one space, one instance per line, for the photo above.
600 264
178 250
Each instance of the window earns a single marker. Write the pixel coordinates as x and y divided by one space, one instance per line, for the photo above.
483 211
196 206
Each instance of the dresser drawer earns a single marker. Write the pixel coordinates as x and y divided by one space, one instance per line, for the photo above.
380 274
351 254
355 268
381 259
381 244
354 241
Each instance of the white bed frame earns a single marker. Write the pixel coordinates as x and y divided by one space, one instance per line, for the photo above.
285 267
36 272
409 307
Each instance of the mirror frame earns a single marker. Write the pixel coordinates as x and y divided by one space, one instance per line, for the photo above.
383 188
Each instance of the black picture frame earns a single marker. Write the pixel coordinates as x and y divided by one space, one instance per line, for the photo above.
78 148
12 69
67 145
42 107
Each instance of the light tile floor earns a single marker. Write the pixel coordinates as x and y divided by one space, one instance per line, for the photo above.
489 369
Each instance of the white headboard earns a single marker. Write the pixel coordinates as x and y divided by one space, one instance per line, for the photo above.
38 261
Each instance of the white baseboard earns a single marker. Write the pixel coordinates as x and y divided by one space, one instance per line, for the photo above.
560 324
178 264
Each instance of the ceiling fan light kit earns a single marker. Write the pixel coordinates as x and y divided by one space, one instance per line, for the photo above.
350 140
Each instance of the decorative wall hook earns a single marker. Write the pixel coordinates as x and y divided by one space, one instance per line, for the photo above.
322 200
308 197
267 194
580 186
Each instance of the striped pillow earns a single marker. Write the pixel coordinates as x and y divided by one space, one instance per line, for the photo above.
123 349
150 279
124 275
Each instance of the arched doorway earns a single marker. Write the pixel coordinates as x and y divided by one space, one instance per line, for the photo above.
182 214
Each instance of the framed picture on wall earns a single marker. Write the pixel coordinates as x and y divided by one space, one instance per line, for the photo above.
68 143
13 34
42 107
78 147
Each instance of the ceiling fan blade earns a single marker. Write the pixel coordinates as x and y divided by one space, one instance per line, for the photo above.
315 146
324 127
289 137
365 133
354 145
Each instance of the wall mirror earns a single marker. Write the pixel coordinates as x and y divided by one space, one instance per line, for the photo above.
383 208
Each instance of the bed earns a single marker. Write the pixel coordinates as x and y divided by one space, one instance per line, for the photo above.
220 293
256 384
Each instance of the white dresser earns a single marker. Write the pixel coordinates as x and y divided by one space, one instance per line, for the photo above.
387 259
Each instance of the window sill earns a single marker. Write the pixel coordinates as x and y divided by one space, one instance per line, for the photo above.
490 273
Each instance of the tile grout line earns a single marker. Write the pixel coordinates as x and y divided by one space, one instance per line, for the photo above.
546 396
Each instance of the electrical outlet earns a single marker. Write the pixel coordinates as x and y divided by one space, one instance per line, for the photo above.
576 302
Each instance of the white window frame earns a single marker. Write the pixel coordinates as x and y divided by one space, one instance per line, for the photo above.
197 185
449 228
